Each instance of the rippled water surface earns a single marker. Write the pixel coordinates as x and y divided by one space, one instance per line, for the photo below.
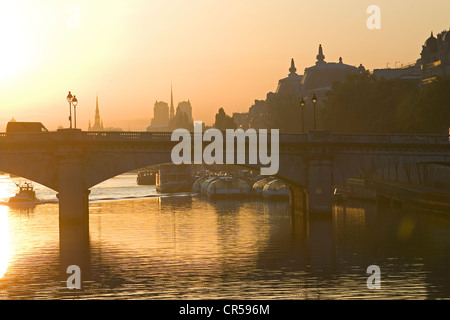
142 245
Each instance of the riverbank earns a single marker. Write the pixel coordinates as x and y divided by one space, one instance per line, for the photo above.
419 196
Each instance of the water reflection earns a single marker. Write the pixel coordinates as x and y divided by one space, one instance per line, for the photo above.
74 249
4 240
188 248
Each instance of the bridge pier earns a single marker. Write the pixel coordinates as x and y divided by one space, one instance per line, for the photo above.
320 186
298 199
73 196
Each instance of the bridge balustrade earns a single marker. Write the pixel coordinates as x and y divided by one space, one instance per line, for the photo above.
317 136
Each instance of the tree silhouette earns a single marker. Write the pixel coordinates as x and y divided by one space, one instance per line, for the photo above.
364 103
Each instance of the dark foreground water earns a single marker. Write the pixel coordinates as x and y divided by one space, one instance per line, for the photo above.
143 246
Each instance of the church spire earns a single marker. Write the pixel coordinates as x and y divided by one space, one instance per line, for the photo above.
172 110
292 69
97 113
320 57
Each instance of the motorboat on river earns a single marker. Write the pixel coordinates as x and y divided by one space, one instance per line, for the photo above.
26 194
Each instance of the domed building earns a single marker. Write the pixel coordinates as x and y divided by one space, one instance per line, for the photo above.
435 56
319 78
291 85
316 79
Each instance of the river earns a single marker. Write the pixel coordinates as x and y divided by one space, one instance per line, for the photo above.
143 245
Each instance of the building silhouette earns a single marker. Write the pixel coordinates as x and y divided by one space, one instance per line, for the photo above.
292 84
434 61
160 116
98 123
316 79
172 111
319 78
186 108
435 57
165 118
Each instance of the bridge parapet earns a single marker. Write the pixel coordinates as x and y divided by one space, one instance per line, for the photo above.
310 137
389 138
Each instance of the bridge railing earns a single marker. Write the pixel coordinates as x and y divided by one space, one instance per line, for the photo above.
166 136
389 138
125 135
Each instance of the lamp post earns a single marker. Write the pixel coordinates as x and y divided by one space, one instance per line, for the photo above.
302 106
314 101
75 102
69 99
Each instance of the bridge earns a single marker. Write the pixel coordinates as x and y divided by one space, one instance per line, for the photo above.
71 161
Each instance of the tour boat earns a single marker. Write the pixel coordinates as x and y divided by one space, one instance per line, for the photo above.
276 189
198 184
259 185
227 187
146 177
26 194
173 178
205 184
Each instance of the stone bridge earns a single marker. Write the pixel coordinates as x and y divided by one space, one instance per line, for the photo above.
71 161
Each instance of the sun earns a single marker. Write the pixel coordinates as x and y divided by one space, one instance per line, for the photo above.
14 52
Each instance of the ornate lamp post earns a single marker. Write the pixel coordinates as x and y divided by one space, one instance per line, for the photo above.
314 101
75 102
69 99
302 106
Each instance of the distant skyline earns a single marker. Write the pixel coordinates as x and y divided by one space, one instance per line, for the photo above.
215 53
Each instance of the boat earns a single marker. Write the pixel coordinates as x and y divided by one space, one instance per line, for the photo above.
198 184
276 189
172 178
227 187
205 184
259 185
26 194
146 177
339 194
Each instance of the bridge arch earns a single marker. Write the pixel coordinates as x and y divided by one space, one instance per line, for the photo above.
71 161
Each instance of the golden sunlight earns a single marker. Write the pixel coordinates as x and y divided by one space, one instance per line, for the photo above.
7 188
4 240
14 55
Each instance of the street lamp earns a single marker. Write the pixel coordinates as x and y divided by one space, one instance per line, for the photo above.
69 99
314 101
302 105
75 102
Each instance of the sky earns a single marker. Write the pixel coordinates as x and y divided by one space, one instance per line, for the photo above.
215 53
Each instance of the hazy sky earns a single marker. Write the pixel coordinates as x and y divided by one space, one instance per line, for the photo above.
216 53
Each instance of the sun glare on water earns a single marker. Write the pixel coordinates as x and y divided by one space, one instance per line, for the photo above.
4 240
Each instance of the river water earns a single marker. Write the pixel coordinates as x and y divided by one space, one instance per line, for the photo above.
143 245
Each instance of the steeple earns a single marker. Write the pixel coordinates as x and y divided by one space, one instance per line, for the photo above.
320 57
292 69
97 113
172 110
